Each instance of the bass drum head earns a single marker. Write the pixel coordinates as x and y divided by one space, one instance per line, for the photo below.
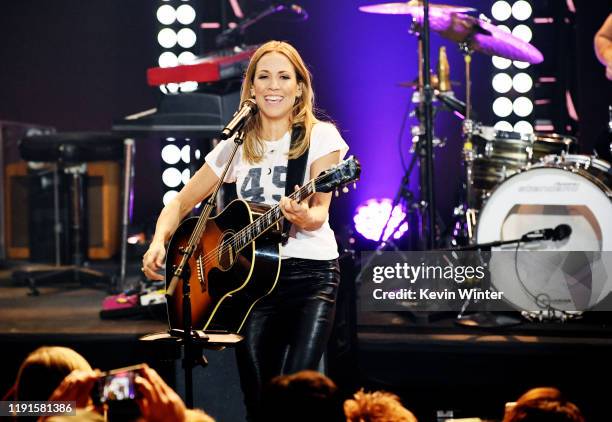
544 275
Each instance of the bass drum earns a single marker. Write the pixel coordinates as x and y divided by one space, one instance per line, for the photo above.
552 277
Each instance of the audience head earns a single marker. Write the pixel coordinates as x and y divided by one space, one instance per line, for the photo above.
44 369
543 404
378 406
303 396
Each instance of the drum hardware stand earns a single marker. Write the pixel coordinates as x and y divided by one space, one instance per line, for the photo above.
404 194
551 315
411 206
426 118
194 341
469 128
127 207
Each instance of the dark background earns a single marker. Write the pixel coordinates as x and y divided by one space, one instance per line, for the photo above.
78 65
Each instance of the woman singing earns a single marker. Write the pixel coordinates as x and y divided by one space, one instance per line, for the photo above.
287 330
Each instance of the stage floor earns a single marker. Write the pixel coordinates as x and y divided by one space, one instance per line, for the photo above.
68 310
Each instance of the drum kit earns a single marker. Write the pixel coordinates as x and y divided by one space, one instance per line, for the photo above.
516 183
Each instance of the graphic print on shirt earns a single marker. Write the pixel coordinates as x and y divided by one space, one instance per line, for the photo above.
252 188
276 180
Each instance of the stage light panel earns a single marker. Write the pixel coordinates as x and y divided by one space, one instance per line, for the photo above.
502 107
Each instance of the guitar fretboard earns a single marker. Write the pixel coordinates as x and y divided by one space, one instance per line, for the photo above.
265 221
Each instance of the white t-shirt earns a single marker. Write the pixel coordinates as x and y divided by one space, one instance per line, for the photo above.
265 182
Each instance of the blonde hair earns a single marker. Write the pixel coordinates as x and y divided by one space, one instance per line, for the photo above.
302 115
44 369
543 403
379 406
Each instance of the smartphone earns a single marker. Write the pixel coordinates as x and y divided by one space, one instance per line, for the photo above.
118 384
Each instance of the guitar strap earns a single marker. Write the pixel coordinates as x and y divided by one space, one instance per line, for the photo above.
296 169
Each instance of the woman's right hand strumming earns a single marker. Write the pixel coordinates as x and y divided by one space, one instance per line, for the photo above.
153 261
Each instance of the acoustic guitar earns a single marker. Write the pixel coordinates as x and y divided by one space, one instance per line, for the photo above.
237 261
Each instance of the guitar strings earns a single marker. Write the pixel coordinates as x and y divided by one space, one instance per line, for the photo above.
235 239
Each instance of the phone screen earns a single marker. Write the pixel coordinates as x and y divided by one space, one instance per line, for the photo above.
118 386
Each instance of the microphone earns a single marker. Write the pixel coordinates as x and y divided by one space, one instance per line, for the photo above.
244 113
562 231
454 104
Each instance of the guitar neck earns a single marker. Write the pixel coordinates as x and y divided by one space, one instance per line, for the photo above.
251 232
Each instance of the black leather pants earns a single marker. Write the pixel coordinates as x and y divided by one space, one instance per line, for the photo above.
288 330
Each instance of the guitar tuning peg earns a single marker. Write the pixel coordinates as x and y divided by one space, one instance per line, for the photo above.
336 193
354 185
345 189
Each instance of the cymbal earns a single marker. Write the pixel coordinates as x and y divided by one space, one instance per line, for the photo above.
479 35
434 83
410 7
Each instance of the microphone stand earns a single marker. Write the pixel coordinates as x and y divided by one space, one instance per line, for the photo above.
428 111
487 246
195 340
489 319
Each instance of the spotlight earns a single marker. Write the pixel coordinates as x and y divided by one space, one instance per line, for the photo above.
169 196
522 106
501 10
166 38
523 32
521 10
171 177
503 125
502 83
185 154
371 216
189 86
186 57
166 15
502 106
186 38
523 126
520 65
185 176
522 82
167 59
171 154
185 14
501 63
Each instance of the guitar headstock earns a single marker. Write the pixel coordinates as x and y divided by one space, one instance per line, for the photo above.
339 175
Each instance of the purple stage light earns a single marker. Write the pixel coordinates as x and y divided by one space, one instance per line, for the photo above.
371 216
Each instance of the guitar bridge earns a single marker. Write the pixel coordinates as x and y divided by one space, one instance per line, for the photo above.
200 271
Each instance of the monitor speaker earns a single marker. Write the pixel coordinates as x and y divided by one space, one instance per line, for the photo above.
10 134
30 216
